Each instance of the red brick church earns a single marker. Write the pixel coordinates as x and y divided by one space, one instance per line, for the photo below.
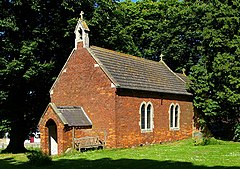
123 100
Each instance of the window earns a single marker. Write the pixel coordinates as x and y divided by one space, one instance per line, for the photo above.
174 111
149 116
146 119
171 116
176 116
143 116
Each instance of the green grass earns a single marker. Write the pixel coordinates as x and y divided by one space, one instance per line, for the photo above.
177 155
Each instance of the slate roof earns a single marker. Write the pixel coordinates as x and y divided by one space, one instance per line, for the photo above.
130 72
73 116
184 77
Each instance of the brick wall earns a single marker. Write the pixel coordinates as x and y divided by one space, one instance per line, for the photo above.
81 83
50 115
114 113
127 114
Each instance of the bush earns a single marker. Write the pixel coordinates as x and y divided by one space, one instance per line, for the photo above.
237 132
38 158
207 141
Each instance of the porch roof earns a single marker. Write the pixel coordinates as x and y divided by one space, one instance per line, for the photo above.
73 116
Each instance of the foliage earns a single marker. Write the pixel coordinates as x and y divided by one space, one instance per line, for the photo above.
38 158
204 141
150 28
4 127
36 37
202 37
237 132
216 77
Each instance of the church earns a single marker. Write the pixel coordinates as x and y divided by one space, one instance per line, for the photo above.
120 99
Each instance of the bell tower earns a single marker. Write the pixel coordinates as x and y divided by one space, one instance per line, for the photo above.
81 32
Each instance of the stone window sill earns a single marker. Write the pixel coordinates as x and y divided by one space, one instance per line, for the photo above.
174 128
146 130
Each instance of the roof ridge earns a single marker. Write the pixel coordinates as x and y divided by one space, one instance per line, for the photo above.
140 58
172 71
151 75
123 54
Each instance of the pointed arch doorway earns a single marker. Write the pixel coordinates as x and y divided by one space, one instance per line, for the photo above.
52 137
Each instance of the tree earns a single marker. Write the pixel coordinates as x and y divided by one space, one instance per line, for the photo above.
216 77
36 37
200 36
149 28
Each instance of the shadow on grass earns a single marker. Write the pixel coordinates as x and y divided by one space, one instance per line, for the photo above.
9 163
107 163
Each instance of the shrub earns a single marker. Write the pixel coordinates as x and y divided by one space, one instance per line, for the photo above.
237 132
38 158
207 141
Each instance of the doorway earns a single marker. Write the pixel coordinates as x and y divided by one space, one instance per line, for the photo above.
52 137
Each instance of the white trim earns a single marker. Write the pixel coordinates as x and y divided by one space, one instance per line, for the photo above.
141 106
96 65
145 117
179 115
169 114
83 36
86 115
140 113
151 115
113 85
173 118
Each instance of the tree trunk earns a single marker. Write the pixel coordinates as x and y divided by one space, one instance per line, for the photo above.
17 137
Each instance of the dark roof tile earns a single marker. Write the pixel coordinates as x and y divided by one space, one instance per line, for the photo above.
184 77
131 72
74 116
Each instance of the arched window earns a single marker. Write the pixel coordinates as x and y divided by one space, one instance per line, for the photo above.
149 116
143 116
146 118
174 116
171 115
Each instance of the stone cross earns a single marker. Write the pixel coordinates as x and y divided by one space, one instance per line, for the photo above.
161 57
81 14
184 71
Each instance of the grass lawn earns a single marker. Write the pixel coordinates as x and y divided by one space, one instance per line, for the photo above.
177 155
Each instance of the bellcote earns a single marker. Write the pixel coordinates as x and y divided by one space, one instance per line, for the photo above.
81 32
